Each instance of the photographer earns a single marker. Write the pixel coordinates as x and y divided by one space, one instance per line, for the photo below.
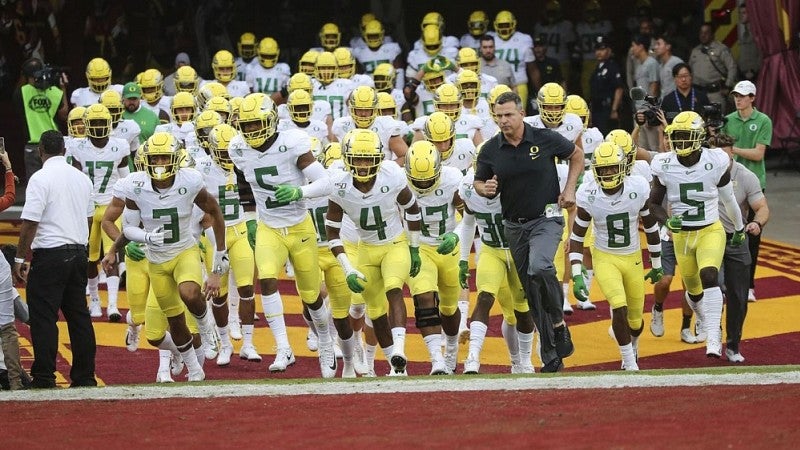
647 78
685 97
39 102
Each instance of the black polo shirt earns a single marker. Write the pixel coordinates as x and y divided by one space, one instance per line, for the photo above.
674 103
526 173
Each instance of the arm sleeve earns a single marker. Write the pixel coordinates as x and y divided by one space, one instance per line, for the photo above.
466 233
130 225
320 185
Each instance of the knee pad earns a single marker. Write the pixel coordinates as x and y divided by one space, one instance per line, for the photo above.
427 317
357 311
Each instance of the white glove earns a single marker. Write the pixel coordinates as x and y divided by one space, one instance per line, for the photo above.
155 237
221 262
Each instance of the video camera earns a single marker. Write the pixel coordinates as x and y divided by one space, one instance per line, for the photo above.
48 76
651 104
712 116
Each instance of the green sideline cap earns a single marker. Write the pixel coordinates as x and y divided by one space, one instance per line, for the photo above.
131 90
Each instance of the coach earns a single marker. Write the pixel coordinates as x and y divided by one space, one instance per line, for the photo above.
520 163
54 224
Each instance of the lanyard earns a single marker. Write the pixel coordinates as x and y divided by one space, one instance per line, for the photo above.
678 100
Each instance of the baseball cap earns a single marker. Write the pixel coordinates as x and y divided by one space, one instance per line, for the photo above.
182 58
600 42
131 90
539 41
745 87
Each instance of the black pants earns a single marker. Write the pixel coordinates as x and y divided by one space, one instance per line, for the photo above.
533 246
734 280
754 243
57 280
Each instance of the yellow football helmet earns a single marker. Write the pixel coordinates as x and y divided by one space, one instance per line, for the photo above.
432 18
203 124
152 83
220 105
183 108
493 94
606 158
138 157
577 105
113 101
363 152
686 133
258 119
346 64
447 99
235 102
247 46
98 74
308 62
467 58
623 140
440 130
316 149
373 34
98 121
299 81
384 76
329 36
268 52
433 77
325 69
224 66
75 125
365 19
300 105
505 24
163 156
209 90
477 23
551 100
386 105
423 166
469 83
219 138
332 152
186 80
432 39
363 105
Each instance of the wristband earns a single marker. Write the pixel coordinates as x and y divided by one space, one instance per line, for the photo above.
575 256
581 222
413 238
19 260
575 237
654 248
577 270
333 243
655 262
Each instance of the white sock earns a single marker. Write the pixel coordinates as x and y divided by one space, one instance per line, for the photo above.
309 324
168 344
200 355
247 335
273 311
463 307
477 334
164 358
191 359
224 336
434 344
635 343
112 284
348 347
628 357
589 278
712 306
451 343
565 289
525 347
320 317
92 285
368 321
399 339
122 267
369 353
388 352
510 335
233 299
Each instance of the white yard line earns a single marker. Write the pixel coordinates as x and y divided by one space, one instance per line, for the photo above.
386 386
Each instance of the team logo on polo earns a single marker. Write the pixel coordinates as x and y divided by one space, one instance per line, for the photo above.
534 152
753 127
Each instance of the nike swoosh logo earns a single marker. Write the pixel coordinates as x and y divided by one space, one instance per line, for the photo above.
367 196
162 197
616 203
491 203
689 172
638 263
304 239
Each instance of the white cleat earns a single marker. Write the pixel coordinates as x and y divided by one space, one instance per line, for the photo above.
197 375
713 348
697 308
176 365
132 337
283 359
522 368
360 359
395 373
312 341
370 374
235 330
211 343
348 369
451 360
164 377
224 356
337 349
471 365
687 336
113 313
657 323
585 306
438 367
399 363
734 357
567 308
751 297
249 353
630 368
327 361
95 310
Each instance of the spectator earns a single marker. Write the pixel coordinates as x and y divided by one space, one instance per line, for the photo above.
666 61
752 133
713 66
606 88
549 67
646 28
496 67
685 97
646 72
182 59
145 118
54 224
749 61
39 102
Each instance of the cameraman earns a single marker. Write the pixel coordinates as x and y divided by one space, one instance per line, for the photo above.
647 78
685 97
39 102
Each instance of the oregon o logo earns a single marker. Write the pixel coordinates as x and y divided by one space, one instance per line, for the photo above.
182 190
709 166
384 189
633 195
753 127
282 149
438 192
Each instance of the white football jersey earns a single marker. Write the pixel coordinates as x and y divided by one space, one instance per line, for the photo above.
385 127
335 93
128 130
447 41
163 104
370 58
320 112
183 132
692 191
615 218
70 145
358 42
436 206
222 185
313 128
171 210
101 166
591 138
242 67
557 35
85 96
424 106
517 51
488 83
266 170
197 154
418 57
268 81
348 231
375 213
462 156
237 88
468 40
487 211
570 127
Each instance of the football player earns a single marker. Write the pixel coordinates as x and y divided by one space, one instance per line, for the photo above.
516 48
477 24
376 52
300 107
182 124
558 33
437 20
125 129
385 78
246 47
431 46
266 74
447 99
346 68
76 131
98 76
357 42
152 83
224 67
187 80
329 87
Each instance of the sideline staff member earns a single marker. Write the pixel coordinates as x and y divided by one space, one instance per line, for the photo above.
55 224
520 164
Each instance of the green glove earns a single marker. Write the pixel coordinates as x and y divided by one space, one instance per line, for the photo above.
134 252
287 193
438 64
353 283
579 288
654 275
463 274
674 223
416 261
252 226
449 242
738 238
